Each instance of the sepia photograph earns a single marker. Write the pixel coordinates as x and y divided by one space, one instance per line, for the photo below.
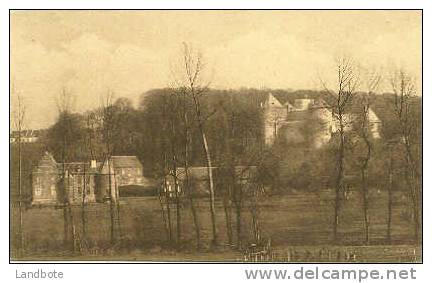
237 136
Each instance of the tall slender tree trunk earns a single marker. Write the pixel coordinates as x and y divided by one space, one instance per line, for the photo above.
227 210
69 236
65 215
255 219
177 200
21 245
364 175
412 178
237 193
111 202
188 190
339 178
163 210
167 192
411 182
193 209
83 216
193 69
176 185
390 198
238 223
211 187
118 210
209 169
365 205
168 204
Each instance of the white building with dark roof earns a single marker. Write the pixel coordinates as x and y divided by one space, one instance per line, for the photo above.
26 136
308 120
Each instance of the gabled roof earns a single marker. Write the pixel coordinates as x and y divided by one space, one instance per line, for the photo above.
200 173
291 96
197 173
282 98
290 99
47 163
126 162
272 101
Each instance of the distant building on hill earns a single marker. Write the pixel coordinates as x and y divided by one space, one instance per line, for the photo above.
307 120
26 136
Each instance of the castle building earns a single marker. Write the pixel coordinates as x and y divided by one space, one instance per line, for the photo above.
307 120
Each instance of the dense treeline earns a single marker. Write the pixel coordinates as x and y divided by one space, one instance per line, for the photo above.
232 114
234 117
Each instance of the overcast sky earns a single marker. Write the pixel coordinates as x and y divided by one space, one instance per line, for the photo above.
130 52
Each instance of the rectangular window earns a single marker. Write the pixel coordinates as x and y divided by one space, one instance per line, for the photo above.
53 190
38 190
38 187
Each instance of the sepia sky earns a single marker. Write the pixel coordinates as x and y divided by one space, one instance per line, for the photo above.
130 52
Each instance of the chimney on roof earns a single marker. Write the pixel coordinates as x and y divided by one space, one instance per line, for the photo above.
93 164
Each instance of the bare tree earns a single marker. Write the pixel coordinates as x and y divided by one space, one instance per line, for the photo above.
91 139
19 124
64 105
109 127
404 91
339 100
390 183
172 136
255 213
226 177
363 128
167 194
232 181
193 67
187 184
164 195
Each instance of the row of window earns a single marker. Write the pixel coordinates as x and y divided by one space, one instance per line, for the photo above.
53 191
38 190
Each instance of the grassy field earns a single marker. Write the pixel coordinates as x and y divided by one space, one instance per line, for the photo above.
293 254
300 222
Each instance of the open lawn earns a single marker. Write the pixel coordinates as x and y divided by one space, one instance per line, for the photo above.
294 254
296 223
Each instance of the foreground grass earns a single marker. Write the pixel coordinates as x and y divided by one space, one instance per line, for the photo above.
353 254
